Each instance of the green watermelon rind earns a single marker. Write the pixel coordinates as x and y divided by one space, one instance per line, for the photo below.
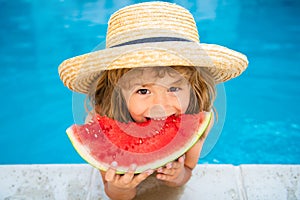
82 151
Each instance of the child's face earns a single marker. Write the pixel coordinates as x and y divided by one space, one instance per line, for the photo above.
153 95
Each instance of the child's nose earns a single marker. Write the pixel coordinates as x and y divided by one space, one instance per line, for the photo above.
157 111
160 99
160 105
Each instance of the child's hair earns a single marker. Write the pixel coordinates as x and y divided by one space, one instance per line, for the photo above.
107 98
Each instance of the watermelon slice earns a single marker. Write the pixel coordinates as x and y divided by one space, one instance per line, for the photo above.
149 145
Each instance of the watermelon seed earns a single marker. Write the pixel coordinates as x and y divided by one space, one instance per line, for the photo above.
96 135
87 130
141 141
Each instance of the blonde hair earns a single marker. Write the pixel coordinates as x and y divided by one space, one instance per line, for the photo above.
107 99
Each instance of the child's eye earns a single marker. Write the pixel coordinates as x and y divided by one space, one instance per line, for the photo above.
143 91
174 89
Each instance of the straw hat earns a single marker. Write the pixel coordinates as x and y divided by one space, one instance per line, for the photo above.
151 34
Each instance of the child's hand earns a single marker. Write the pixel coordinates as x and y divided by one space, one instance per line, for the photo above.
127 181
173 172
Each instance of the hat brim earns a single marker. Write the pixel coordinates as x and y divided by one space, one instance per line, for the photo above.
78 73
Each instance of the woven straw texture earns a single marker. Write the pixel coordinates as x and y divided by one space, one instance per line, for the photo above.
151 20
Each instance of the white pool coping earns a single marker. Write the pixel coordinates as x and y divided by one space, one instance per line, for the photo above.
209 182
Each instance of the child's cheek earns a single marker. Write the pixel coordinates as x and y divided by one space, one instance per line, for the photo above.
184 100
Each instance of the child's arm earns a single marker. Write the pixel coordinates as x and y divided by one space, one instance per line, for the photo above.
177 173
122 187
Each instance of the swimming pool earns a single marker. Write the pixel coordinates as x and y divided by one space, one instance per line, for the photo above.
262 121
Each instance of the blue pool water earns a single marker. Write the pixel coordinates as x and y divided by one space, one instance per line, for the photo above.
262 123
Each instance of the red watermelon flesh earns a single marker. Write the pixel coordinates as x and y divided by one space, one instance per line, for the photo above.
149 144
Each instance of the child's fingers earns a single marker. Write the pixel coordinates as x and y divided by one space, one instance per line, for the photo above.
110 175
172 167
181 159
111 172
142 176
176 164
163 177
169 172
169 165
127 177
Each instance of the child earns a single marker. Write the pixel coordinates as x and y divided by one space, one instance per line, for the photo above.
154 66
153 93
